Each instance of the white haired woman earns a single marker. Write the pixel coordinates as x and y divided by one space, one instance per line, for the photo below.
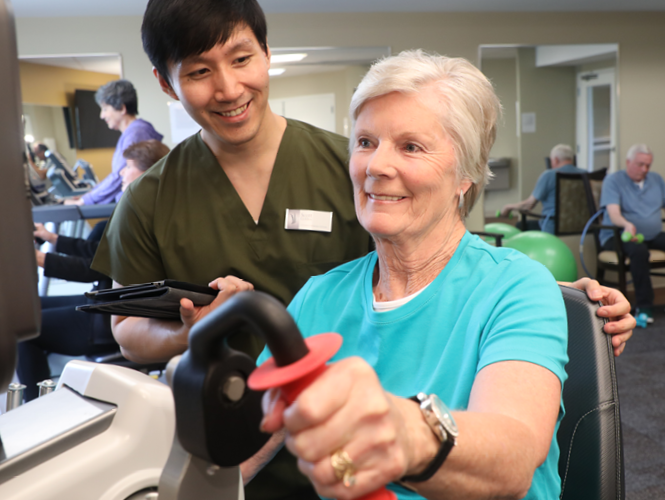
434 312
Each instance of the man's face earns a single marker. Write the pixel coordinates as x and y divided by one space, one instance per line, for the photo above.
638 168
225 90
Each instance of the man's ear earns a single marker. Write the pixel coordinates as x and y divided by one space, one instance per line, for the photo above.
166 86
268 54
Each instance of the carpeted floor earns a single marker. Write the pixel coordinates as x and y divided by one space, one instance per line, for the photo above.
641 376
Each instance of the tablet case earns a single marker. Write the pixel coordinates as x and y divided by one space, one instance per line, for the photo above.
159 299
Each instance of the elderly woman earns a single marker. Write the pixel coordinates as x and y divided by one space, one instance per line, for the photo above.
119 106
433 312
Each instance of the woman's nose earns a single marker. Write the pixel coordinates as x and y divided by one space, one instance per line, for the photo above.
381 163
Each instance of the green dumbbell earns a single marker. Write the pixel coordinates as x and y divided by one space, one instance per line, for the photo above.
626 237
498 213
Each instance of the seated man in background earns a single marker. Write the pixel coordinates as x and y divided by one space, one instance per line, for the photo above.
633 199
561 159
64 329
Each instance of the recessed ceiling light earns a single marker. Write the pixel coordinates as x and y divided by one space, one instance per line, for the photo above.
287 58
276 71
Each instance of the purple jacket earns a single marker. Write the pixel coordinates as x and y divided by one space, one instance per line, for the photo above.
110 189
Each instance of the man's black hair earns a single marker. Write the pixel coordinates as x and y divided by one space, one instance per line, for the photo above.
173 30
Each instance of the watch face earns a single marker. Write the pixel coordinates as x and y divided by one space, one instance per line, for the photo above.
443 415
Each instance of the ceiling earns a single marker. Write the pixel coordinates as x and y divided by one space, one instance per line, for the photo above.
67 8
100 63
319 59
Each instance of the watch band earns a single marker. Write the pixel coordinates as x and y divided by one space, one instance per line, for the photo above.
446 445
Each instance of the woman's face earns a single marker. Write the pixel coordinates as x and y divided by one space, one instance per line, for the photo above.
403 168
130 173
112 116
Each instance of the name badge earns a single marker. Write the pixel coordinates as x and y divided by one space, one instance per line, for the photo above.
308 220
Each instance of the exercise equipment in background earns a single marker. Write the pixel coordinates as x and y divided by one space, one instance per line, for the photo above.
548 250
506 230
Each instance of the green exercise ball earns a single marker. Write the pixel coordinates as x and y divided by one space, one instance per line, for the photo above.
507 230
549 251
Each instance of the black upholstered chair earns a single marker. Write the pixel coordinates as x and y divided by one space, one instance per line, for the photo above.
589 437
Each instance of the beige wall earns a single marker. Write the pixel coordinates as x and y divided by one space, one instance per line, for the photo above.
641 39
341 83
503 75
548 92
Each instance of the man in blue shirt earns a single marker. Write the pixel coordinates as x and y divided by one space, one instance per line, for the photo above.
561 158
633 199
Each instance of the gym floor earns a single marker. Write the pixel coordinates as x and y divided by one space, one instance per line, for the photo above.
642 396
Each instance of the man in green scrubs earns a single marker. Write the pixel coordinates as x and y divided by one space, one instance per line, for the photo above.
252 195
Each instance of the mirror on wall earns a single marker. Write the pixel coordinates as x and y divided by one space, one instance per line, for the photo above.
49 85
52 126
551 94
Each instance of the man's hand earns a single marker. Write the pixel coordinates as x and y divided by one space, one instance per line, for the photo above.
630 228
505 211
46 235
616 308
227 287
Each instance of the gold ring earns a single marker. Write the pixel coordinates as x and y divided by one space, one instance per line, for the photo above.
343 466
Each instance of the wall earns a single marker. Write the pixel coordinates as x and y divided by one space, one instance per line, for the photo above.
641 39
503 74
548 92
55 86
342 83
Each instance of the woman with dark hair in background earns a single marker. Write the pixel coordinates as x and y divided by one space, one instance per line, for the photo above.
119 105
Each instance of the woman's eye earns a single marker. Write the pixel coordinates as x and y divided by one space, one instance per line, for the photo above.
412 148
364 143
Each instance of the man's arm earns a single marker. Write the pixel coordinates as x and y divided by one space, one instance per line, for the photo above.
527 204
614 211
145 340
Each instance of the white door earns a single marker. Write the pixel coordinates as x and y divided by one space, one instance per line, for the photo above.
317 110
596 120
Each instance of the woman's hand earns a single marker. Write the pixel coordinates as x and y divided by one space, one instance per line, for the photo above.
616 308
228 287
346 410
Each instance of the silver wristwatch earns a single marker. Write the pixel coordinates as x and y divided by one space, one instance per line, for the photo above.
438 417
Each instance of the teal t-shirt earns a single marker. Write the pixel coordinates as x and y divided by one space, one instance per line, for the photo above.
487 305
545 193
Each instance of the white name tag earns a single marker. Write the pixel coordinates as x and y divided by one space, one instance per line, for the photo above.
308 220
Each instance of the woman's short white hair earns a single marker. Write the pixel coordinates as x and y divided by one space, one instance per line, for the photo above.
471 107
637 149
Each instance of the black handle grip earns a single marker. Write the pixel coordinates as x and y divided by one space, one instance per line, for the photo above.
210 424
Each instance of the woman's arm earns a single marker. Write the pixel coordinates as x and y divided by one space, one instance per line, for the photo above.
504 436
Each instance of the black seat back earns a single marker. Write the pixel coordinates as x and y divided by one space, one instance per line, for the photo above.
589 437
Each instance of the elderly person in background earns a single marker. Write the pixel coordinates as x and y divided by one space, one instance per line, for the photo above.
119 105
434 311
